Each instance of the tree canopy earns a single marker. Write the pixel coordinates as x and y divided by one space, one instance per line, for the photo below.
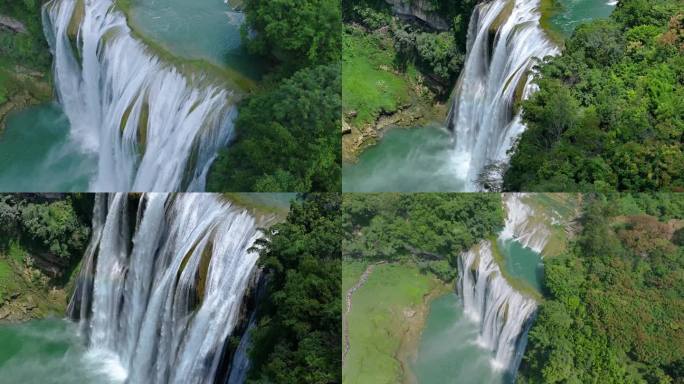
608 115
297 33
615 307
434 227
298 332
288 138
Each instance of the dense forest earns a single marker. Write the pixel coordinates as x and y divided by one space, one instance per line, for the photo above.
615 301
42 239
432 228
298 332
24 57
609 113
288 133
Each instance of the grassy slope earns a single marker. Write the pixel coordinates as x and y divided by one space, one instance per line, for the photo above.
369 86
351 271
378 324
16 278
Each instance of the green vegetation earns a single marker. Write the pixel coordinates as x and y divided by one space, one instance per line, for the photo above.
398 68
289 138
296 33
24 58
616 301
287 133
386 318
432 228
608 115
298 331
368 88
41 241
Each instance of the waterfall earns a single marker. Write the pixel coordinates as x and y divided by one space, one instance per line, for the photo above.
241 363
504 39
153 127
162 284
523 224
503 314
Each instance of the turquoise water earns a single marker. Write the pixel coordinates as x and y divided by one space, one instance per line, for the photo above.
50 352
523 263
447 353
37 154
197 29
572 13
406 160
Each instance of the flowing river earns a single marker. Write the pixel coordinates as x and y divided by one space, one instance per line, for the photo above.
482 122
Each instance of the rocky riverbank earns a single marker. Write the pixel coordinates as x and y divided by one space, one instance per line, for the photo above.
355 139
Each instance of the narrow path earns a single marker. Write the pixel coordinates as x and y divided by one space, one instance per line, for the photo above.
362 280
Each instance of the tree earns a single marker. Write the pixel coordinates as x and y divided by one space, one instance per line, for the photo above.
298 331
297 33
288 138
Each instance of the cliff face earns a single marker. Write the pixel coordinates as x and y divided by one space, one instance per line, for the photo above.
421 10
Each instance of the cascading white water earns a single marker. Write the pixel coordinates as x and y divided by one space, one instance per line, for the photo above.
503 314
241 363
152 127
519 226
167 285
504 38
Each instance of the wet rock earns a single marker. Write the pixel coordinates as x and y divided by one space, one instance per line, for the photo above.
13 25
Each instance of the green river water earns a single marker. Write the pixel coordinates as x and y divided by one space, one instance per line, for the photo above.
447 353
523 263
408 161
37 154
51 352
198 29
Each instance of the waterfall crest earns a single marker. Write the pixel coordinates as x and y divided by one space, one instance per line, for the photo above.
153 127
523 224
161 289
504 315
504 38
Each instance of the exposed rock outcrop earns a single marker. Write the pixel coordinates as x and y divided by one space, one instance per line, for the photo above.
13 25
421 10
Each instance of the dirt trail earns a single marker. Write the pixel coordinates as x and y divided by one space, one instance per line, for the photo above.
362 280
